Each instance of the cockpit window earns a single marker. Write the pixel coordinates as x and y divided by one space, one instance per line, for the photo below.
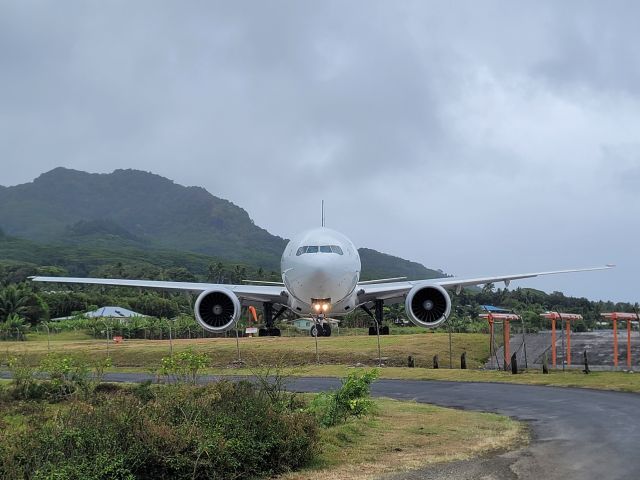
319 249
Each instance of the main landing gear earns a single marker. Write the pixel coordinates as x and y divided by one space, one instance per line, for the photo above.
269 329
378 318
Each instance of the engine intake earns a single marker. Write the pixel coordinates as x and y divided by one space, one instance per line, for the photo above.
428 306
217 310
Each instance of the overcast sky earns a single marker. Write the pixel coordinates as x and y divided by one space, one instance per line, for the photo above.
477 137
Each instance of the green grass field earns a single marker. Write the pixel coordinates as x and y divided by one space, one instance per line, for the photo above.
296 356
408 435
285 351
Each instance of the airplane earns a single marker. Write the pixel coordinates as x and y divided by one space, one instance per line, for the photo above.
320 275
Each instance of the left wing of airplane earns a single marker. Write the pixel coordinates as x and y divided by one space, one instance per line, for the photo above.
427 302
393 290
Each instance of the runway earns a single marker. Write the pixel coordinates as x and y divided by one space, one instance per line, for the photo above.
576 433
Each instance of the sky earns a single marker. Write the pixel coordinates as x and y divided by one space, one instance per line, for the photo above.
474 137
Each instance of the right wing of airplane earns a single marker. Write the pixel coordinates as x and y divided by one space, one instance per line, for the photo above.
217 307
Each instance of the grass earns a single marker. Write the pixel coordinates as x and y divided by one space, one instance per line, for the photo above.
337 355
294 351
406 435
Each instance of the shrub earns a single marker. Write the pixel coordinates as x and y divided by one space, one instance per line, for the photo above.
23 383
351 399
64 376
184 366
224 430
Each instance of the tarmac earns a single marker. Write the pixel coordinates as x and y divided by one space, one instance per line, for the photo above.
576 433
598 344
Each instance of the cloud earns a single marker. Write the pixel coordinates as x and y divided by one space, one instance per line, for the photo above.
482 138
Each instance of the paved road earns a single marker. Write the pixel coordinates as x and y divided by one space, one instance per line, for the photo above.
577 433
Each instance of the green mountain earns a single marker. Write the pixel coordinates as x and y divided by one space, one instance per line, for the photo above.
66 215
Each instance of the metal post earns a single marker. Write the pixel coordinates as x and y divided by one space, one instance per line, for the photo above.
315 319
450 349
614 317
490 336
569 342
507 340
553 340
378 337
238 343
107 334
44 324
564 353
170 338
629 344
524 343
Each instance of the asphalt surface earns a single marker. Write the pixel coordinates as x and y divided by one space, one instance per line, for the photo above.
576 433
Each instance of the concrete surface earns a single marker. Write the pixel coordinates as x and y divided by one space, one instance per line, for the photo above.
598 344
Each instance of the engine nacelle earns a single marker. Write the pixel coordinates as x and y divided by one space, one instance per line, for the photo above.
217 310
428 306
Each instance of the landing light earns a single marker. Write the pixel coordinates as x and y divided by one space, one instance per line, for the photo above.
325 307
317 307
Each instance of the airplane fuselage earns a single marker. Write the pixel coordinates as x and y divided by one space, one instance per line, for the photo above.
320 270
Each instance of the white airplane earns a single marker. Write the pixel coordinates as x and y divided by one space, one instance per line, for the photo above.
320 275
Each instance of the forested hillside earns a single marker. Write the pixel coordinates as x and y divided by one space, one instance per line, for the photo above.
135 209
80 221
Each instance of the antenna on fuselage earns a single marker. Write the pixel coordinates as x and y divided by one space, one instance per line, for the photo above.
323 213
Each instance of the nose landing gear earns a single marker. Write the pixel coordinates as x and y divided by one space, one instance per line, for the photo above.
320 327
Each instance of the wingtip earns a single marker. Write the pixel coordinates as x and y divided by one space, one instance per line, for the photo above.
610 265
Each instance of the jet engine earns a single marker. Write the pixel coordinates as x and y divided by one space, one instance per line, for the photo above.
217 310
428 306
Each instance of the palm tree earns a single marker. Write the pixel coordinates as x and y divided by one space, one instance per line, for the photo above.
15 325
13 302
488 288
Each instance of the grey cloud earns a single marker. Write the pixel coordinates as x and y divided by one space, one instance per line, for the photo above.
456 135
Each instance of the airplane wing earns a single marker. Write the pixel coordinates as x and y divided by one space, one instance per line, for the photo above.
396 290
248 294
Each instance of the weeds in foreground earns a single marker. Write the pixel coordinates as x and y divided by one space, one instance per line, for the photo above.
351 399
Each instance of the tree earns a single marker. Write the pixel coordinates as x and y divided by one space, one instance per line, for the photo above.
488 288
14 327
13 302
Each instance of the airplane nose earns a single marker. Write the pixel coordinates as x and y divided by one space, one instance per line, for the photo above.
319 274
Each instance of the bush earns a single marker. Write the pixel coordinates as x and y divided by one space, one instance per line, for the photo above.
351 399
23 383
224 430
184 366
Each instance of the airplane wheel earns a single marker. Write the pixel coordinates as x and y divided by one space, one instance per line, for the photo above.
384 330
326 330
372 330
274 332
262 332
314 331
